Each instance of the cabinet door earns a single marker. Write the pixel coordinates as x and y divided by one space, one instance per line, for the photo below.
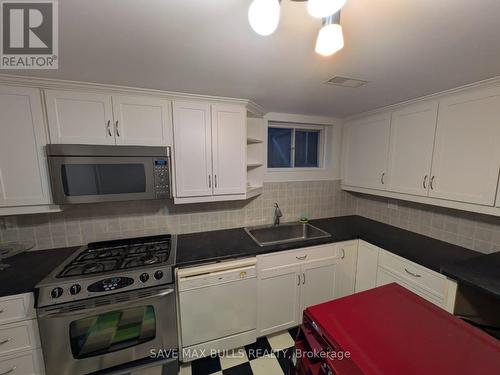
411 146
229 141
79 117
498 195
345 275
366 149
366 268
141 120
23 171
467 153
192 149
278 299
318 282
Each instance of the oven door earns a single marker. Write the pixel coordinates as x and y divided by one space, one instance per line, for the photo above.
86 336
87 179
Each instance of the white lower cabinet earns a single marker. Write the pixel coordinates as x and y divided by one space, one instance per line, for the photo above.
290 281
432 286
318 282
20 351
278 293
498 196
366 267
345 275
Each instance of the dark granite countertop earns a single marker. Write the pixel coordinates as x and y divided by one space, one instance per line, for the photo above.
464 265
27 269
481 272
218 245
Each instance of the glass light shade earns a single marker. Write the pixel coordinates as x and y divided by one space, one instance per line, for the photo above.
324 8
330 40
264 16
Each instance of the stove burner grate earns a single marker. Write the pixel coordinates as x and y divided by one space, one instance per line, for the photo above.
121 256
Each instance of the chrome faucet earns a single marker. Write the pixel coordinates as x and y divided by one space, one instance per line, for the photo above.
277 214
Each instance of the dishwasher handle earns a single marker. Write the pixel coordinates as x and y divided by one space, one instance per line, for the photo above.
218 277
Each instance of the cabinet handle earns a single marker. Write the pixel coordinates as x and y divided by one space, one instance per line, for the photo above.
432 182
425 182
5 341
382 178
9 371
298 280
413 274
303 278
117 129
209 181
215 181
108 127
301 258
343 254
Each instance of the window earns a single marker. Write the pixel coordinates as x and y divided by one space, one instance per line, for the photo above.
294 146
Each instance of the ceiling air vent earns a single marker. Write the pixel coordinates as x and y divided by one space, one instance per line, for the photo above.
346 82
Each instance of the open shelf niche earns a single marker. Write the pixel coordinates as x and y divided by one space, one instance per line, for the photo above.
255 155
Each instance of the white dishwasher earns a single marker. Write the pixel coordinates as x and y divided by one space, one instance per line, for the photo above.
217 307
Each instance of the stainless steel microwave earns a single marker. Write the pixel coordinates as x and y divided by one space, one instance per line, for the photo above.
94 173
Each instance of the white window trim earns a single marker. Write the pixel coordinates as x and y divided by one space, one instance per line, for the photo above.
298 126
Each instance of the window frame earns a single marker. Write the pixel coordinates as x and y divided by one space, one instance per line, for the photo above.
299 126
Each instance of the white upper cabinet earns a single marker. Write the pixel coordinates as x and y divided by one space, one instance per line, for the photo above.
80 117
229 136
141 120
209 151
411 147
467 148
192 149
106 119
366 148
23 172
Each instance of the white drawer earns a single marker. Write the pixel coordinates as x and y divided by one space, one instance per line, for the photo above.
287 258
385 277
16 308
26 363
19 336
414 274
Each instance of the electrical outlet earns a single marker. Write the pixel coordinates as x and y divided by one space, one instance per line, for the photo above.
392 205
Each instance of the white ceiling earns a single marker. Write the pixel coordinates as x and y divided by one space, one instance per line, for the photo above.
404 48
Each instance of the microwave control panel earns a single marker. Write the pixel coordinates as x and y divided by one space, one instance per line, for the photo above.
162 178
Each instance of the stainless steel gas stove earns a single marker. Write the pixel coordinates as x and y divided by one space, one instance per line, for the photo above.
102 268
109 305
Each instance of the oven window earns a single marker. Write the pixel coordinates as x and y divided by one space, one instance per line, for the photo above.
112 331
99 179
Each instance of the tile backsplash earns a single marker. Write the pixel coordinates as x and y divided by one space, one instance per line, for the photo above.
86 223
81 224
473 231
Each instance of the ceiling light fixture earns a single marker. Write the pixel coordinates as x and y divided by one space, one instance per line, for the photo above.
264 16
324 8
330 37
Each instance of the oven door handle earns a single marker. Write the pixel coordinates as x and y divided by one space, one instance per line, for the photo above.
60 314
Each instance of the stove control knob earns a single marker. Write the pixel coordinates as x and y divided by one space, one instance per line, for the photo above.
158 275
144 277
75 289
56 292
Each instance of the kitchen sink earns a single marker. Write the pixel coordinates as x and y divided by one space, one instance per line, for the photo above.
265 235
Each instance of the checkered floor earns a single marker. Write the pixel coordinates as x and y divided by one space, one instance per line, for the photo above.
270 355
